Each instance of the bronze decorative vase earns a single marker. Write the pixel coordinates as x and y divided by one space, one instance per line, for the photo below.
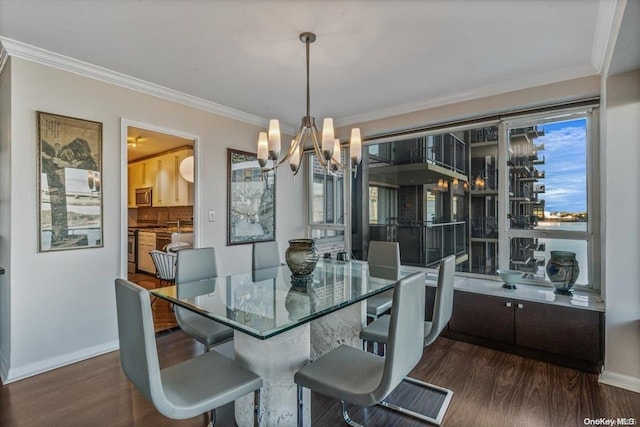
563 270
302 257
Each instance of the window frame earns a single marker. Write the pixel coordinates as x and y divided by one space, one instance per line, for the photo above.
592 234
504 120
345 226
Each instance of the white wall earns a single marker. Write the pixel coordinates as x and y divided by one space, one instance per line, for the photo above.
622 246
5 212
510 101
62 305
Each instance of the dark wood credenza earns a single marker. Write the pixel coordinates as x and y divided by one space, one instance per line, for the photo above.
567 336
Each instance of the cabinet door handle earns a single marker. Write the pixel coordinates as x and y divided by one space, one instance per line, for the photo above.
508 304
520 306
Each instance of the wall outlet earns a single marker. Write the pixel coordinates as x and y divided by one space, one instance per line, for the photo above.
212 216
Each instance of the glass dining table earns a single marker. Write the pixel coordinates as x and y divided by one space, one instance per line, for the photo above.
281 322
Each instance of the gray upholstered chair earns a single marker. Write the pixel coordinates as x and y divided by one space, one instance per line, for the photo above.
184 390
378 330
382 254
194 265
265 255
360 378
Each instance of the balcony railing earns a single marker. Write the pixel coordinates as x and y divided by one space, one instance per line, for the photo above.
484 179
424 243
443 240
485 227
444 150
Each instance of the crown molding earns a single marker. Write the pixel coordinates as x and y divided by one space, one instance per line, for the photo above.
607 26
518 83
41 56
3 56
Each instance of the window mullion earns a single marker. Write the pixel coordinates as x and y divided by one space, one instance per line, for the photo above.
503 198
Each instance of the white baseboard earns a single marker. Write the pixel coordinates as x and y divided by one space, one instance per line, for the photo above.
41 366
619 380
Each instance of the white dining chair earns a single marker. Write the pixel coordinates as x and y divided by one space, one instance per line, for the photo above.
265 255
364 379
379 332
195 265
183 390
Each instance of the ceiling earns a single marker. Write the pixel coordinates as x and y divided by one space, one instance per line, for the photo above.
371 59
143 143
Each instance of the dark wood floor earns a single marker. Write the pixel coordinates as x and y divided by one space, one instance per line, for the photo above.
490 388
163 317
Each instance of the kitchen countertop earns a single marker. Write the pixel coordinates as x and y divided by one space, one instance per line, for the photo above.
160 229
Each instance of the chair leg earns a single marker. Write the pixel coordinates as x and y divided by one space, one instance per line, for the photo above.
347 418
438 419
300 409
375 347
256 408
212 418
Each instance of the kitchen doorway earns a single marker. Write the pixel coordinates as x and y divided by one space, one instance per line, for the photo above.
159 194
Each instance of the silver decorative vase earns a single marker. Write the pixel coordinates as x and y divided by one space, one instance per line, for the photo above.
563 270
301 256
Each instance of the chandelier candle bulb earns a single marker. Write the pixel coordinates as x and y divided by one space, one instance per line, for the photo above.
263 149
355 147
274 139
335 159
327 139
294 161
336 151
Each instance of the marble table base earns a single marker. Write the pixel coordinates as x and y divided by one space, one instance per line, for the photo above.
341 327
278 358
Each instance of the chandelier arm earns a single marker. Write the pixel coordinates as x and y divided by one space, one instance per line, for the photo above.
295 143
304 133
316 146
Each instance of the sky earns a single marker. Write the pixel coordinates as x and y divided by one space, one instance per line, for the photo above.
565 166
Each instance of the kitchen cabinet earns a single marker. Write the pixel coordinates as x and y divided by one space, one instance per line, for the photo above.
558 334
171 189
146 244
165 177
140 174
162 173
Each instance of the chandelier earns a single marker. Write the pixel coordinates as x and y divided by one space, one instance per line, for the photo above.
327 148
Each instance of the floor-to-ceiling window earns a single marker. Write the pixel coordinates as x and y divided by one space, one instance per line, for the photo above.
501 193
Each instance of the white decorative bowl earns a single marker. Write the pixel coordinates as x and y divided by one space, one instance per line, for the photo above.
510 277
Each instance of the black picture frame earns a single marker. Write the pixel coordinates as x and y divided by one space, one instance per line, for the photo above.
69 183
251 200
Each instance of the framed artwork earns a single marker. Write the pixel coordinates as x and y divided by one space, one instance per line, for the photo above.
251 200
69 183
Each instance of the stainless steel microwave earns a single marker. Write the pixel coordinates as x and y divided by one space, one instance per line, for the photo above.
143 197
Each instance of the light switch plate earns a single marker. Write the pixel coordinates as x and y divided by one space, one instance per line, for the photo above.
212 216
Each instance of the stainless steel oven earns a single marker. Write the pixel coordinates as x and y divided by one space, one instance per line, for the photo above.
131 250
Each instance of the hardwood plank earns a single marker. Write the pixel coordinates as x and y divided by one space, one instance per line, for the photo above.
163 317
